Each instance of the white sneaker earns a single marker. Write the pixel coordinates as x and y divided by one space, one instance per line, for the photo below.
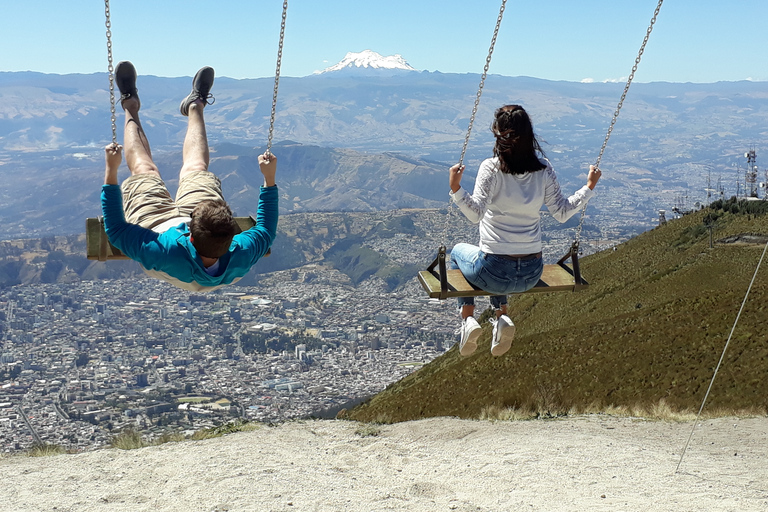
470 331
503 334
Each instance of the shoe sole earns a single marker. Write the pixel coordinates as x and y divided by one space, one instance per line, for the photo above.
197 91
202 76
505 343
471 345
125 78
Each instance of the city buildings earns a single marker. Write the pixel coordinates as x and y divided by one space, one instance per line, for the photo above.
80 362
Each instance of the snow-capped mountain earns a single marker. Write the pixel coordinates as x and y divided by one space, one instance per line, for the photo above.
369 59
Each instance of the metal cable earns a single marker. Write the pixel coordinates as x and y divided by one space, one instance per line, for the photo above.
277 78
111 72
577 237
722 356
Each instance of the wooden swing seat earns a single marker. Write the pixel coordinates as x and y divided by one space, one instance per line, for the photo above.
559 277
99 248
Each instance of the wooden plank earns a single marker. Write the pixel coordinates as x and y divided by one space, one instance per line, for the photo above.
97 244
99 248
92 237
554 279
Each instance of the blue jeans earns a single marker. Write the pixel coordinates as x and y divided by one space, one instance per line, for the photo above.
495 273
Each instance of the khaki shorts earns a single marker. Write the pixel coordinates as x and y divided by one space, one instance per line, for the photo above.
148 203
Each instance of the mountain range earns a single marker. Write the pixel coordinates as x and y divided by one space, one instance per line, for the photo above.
369 139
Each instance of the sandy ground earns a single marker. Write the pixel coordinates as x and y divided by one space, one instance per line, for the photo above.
576 464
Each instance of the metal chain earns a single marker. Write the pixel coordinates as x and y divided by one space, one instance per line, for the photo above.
482 81
111 72
577 238
277 79
629 82
474 109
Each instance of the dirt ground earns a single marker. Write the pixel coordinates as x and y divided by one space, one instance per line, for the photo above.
580 463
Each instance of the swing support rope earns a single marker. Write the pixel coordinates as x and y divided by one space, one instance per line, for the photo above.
277 79
722 356
111 72
577 237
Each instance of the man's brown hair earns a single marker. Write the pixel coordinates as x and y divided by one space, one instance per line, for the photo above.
212 228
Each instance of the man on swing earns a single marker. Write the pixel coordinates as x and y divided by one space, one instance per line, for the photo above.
191 241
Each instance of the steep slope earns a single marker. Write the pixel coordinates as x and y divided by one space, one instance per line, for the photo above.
651 327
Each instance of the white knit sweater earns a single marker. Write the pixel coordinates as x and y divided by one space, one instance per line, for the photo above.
507 206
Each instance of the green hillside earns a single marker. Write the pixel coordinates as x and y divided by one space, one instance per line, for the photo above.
649 329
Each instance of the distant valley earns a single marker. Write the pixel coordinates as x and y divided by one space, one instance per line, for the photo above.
390 246
372 142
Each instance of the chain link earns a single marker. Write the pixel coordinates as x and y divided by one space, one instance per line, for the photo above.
482 81
577 238
111 72
277 79
474 110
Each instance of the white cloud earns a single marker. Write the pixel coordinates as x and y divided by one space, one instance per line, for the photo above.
606 81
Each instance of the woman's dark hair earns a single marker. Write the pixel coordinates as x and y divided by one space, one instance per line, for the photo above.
516 146
212 228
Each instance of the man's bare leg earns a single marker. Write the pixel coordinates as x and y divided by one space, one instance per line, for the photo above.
138 156
196 154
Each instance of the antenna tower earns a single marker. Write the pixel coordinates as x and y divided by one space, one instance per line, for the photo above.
751 177
709 188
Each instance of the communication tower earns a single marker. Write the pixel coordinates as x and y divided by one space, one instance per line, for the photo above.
709 190
750 179
681 205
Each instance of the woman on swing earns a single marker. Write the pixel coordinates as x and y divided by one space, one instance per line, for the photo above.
510 189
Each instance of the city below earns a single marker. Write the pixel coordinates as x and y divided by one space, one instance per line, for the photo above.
82 362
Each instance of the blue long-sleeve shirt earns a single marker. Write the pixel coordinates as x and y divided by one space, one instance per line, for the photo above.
171 255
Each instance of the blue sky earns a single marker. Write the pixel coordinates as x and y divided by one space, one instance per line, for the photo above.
573 40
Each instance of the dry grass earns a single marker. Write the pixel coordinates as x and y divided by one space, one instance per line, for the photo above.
368 430
495 413
229 428
46 450
131 439
128 440
660 411
169 437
